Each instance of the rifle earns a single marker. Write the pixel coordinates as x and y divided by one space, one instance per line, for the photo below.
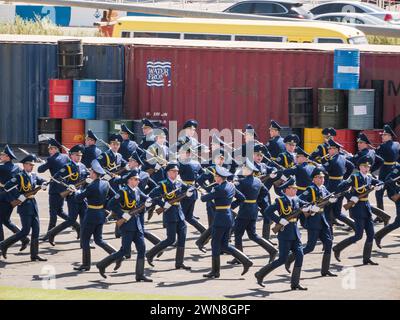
28 194
66 193
105 143
278 227
62 146
322 203
173 201
27 153
351 204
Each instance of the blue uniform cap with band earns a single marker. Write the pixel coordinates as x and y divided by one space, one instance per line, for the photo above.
190 124
96 167
8 151
91 135
275 125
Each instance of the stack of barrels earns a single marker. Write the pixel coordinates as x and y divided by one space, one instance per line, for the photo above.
345 107
77 104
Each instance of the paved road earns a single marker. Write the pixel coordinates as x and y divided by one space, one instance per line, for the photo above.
355 281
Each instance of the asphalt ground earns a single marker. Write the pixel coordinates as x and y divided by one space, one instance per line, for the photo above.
355 281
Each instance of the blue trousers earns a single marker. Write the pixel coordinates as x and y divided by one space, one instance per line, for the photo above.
128 237
362 224
188 208
220 240
242 226
285 246
174 229
56 206
75 209
90 229
29 222
5 219
323 234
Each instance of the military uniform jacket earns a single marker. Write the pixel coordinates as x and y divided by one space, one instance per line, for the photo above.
146 142
247 150
303 174
189 173
160 151
111 161
223 195
21 184
377 160
175 213
359 184
285 207
389 151
256 195
319 155
72 173
286 160
125 200
54 163
313 194
127 148
338 169
8 170
89 154
96 194
275 146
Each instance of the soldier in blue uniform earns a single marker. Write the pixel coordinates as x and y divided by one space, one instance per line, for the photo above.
247 149
127 145
71 174
223 195
275 145
91 151
338 169
54 163
393 190
189 137
173 217
363 144
389 152
128 198
256 196
8 170
321 153
360 182
149 137
316 224
16 189
95 194
289 237
287 157
189 171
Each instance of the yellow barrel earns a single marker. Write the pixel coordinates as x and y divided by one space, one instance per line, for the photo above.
312 138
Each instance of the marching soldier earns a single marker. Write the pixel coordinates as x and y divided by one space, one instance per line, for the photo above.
128 198
95 194
127 145
393 191
256 193
276 144
17 189
321 153
189 136
173 217
73 176
223 195
8 170
149 137
389 151
316 224
360 182
287 158
363 144
247 149
338 169
54 163
289 238
91 151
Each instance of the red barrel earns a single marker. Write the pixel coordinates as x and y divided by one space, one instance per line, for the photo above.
347 138
60 99
374 136
73 132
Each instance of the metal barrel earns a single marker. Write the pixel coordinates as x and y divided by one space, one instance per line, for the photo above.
300 107
73 132
361 109
100 129
346 69
109 99
332 108
84 101
60 98
70 58
47 127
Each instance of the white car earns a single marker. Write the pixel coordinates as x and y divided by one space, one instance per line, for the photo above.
354 18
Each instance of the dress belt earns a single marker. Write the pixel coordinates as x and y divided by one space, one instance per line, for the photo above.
335 178
250 201
90 206
389 163
222 207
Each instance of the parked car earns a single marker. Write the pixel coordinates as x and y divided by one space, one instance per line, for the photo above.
357 7
354 18
280 8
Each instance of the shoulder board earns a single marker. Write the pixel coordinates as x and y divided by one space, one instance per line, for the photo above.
62 170
14 180
395 171
278 159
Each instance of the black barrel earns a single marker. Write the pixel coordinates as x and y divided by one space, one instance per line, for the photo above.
300 107
109 99
70 58
332 108
48 127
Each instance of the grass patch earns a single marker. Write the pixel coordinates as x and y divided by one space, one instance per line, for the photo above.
13 293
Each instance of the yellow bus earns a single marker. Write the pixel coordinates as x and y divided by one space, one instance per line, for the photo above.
236 30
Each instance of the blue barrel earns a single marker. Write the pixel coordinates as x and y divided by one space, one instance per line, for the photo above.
346 69
109 99
84 99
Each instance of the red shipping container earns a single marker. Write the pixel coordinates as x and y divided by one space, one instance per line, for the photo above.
347 138
60 99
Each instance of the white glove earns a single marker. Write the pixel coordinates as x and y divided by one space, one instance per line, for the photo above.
148 203
21 198
283 222
126 216
89 180
236 182
306 209
158 167
44 186
332 200
379 187
71 188
167 205
273 174
284 178
354 199
315 208
189 192
127 167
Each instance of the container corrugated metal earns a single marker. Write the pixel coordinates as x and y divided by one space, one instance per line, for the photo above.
227 88
25 72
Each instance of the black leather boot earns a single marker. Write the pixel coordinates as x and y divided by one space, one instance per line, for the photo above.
198 226
153 252
108 248
140 271
337 249
295 281
203 239
103 264
86 260
326 261
289 261
215 268
151 237
52 224
269 247
25 241
243 259
262 273
51 235
266 231
367 254
382 233
382 215
35 251
180 254
7 243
